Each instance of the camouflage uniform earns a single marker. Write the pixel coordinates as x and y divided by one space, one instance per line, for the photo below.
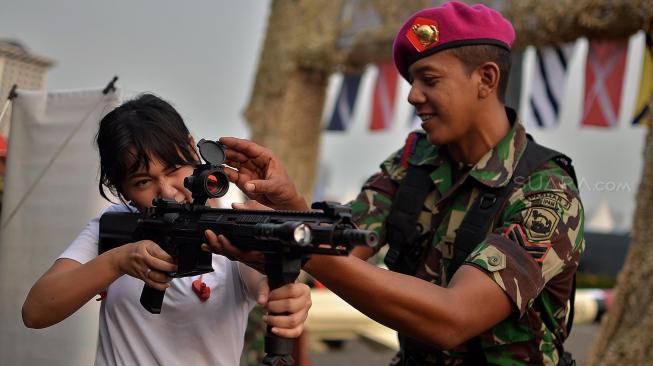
532 252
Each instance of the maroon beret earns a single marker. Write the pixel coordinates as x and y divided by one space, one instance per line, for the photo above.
451 25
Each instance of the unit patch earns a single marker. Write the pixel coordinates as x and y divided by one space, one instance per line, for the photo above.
537 250
540 223
548 199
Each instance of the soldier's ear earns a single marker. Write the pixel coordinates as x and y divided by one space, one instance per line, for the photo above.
489 79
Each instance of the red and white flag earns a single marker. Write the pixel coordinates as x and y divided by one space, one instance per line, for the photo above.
604 76
383 101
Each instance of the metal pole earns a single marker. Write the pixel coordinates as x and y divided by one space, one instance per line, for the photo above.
10 98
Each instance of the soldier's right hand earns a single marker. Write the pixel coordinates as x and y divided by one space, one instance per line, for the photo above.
261 175
145 260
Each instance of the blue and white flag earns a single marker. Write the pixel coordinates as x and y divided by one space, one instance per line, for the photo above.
343 108
547 90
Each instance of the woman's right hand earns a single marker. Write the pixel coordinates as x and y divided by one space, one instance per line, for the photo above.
146 260
52 298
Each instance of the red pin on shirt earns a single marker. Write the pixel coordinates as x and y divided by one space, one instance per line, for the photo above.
201 289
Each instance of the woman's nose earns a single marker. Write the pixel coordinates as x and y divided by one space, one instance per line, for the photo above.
168 191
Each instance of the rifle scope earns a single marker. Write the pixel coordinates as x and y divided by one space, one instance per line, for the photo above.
208 180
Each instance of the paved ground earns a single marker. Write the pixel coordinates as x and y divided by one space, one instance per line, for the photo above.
359 353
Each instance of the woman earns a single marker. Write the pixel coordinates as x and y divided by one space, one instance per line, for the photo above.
146 151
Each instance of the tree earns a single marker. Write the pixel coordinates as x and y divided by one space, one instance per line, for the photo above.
303 46
626 336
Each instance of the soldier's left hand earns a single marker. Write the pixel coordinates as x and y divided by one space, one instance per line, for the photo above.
219 244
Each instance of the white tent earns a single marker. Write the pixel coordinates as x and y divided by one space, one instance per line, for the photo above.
51 191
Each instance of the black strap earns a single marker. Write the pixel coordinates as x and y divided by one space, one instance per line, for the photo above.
572 299
485 209
403 237
406 246
565 358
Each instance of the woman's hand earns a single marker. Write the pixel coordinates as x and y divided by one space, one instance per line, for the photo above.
52 298
146 260
261 175
287 308
288 305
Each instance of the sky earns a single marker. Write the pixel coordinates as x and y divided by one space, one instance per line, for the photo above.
202 57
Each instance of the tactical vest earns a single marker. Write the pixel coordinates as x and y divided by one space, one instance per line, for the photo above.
407 244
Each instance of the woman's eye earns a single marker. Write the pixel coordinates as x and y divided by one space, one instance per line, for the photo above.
141 183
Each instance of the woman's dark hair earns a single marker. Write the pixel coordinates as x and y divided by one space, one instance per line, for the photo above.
138 130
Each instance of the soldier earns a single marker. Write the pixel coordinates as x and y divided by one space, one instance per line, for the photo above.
484 227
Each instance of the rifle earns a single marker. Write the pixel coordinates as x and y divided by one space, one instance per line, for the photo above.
287 238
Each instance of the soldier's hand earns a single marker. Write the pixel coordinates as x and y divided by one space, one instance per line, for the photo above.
250 205
219 244
261 175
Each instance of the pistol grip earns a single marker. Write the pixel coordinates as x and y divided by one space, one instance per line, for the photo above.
152 299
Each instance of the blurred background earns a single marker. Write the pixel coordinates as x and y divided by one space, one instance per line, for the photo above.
206 58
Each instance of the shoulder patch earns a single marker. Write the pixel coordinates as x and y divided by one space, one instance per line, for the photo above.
537 250
540 223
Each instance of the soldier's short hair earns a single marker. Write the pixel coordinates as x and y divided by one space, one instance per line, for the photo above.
474 56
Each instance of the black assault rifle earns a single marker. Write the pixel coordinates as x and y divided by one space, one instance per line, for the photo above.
287 238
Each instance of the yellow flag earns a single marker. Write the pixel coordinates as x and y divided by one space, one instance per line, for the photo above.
643 113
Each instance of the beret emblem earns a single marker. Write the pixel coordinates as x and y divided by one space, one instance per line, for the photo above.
427 34
423 33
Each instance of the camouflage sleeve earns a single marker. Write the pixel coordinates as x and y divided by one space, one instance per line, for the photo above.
372 205
538 240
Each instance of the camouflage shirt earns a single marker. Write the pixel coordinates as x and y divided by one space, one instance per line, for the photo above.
531 252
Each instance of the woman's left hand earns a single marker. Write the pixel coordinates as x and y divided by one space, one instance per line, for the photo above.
287 308
288 305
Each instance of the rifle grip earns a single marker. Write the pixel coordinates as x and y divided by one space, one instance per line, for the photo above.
281 269
152 299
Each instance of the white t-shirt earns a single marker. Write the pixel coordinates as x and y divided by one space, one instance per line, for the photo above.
187 332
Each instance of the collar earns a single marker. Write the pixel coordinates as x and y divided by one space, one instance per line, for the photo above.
494 169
